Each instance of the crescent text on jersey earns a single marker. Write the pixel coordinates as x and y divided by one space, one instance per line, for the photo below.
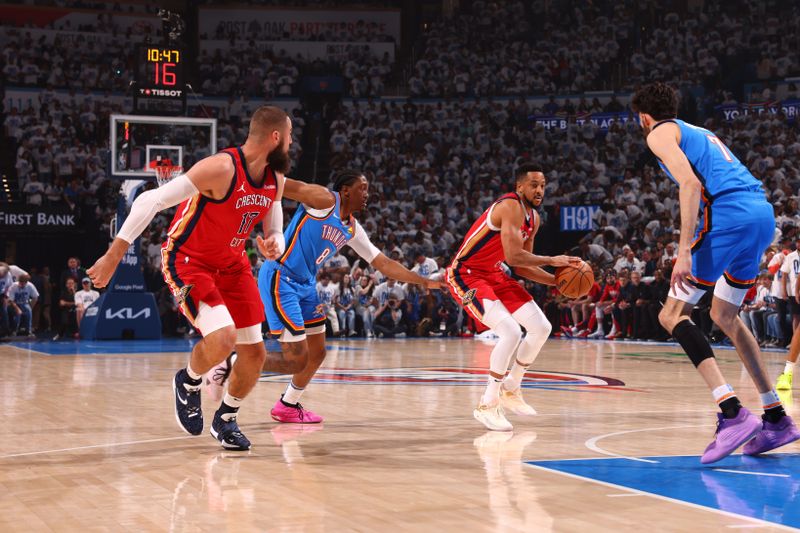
254 199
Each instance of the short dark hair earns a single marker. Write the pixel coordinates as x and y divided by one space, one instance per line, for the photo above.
267 119
524 168
346 177
658 100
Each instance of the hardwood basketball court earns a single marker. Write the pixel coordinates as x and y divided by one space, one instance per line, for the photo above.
91 443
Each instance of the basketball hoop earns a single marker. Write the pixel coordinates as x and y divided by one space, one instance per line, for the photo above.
164 173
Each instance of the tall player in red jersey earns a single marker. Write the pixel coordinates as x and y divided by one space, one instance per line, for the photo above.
477 278
221 198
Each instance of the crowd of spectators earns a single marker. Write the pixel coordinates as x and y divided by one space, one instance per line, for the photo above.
537 47
34 303
247 68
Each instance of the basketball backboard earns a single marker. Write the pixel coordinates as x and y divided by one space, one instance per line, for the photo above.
137 140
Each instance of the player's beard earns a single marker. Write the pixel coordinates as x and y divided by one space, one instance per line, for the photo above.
529 202
279 160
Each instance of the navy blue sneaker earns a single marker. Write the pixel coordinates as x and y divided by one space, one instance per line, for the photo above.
187 404
225 429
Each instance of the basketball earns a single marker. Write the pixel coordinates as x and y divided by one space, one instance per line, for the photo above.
574 282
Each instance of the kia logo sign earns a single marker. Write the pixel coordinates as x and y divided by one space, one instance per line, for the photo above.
126 313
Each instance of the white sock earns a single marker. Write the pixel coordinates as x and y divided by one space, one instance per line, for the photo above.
292 394
722 393
492 393
232 401
789 368
770 399
192 373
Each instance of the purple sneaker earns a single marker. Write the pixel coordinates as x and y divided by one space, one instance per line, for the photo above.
731 433
774 435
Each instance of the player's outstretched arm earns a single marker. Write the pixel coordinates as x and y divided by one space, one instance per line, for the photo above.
314 196
663 141
511 216
203 177
392 269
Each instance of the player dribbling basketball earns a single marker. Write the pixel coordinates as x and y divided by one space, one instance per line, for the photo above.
503 235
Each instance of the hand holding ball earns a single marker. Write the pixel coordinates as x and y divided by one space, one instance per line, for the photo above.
574 282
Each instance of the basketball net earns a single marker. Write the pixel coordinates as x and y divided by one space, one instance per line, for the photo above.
164 173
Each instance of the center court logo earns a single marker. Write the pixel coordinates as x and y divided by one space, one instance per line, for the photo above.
449 376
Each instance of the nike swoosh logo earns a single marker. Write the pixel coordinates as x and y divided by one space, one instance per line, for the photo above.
180 399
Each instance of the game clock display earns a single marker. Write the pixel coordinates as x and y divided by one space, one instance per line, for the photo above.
160 73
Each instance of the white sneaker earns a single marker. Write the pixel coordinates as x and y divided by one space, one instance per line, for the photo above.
492 417
514 402
599 334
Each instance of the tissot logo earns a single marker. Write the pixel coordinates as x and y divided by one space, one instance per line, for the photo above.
161 92
126 313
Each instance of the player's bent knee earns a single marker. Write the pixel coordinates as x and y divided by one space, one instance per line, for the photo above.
508 329
222 340
693 342
296 354
533 320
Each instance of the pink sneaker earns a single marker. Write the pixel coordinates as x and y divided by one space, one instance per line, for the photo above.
295 414
214 380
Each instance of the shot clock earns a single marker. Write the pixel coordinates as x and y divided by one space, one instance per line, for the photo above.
160 77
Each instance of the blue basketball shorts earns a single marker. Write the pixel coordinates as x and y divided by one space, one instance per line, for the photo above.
731 242
292 307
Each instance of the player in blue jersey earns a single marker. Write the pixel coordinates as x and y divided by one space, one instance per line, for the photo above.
736 227
288 285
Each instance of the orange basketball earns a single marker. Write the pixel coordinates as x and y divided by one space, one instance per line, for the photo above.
574 282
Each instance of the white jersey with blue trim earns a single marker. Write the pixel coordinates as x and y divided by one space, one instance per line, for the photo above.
314 236
719 171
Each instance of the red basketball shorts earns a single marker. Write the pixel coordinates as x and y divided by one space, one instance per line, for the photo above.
192 282
471 289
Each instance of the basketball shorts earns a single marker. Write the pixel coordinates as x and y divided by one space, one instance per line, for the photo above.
192 282
734 243
471 289
290 305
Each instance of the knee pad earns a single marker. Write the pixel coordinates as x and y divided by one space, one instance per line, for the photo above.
693 342
531 317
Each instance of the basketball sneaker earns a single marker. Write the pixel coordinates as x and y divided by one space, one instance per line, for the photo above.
597 334
188 411
773 435
293 414
492 417
214 380
784 381
731 433
567 331
225 429
514 402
